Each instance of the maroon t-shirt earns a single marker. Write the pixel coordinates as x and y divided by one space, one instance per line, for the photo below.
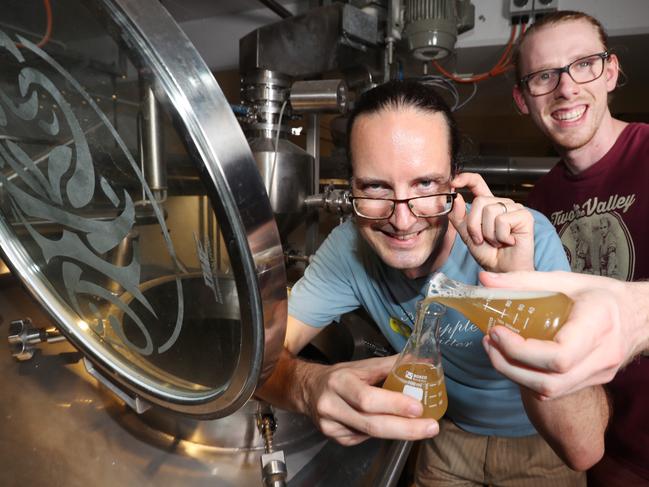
602 217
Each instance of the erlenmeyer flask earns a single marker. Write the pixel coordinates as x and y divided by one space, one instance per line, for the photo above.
532 314
418 371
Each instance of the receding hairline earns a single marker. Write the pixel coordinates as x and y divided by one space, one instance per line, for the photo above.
399 95
401 108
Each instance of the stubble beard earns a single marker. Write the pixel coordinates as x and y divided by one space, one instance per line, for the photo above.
425 266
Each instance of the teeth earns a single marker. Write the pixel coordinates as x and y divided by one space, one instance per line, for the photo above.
403 237
571 115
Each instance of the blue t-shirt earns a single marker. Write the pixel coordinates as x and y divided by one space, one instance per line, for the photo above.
346 274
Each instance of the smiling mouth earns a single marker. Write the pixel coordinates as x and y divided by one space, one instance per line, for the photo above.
401 237
569 115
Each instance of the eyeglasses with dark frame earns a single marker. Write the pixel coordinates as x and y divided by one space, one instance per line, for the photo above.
428 206
581 71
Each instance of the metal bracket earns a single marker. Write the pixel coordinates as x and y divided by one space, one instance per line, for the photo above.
135 403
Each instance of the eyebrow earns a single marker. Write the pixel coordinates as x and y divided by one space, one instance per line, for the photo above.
435 177
367 181
577 58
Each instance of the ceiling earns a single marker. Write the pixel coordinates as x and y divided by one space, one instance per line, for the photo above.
184 10
215 27
492 125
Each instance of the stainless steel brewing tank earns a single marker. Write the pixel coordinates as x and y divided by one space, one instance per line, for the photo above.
107 250
135 273
63 429
287 172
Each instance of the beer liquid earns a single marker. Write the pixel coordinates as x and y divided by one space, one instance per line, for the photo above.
531 314
422 381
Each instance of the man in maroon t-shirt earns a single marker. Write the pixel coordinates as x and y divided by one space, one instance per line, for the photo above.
596 197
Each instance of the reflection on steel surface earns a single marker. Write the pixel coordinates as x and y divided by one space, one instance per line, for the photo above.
60 424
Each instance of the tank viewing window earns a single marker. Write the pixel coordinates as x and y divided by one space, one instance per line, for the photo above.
112 213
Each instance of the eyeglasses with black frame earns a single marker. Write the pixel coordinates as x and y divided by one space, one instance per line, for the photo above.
428 206
581 71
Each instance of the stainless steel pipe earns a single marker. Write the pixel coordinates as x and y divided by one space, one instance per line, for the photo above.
327 95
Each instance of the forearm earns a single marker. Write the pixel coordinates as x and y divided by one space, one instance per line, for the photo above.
636 308
573 425
285 388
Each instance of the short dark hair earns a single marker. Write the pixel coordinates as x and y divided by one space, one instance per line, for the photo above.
398 94
552 19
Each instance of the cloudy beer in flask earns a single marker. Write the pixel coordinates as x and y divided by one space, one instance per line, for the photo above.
418 371
532 314
422 381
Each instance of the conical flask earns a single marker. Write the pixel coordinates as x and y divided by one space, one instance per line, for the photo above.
532 314
418 371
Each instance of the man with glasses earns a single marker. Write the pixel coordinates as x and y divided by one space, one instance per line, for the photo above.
565 72
409 223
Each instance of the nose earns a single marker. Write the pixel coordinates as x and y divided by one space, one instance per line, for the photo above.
402 218
567 86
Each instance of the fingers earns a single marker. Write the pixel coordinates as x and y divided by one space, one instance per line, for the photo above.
485 212
458 213
471 236
496 219
544 383
519 280
567 282
485 221
341 433
490 218
493 220
551 281
583 353
517 223
510 368
351 384
578 339
573 343
537 354
472 225
381 426
373 370
347 408
589 348
375 412
473 182
550 385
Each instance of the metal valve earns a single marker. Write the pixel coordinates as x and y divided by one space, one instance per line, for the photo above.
23 338
333 200
273 463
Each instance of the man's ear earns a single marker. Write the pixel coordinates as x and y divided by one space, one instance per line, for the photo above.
517 93
611 71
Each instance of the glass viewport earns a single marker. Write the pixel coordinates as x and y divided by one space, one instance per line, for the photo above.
136 266
418 371
532 314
